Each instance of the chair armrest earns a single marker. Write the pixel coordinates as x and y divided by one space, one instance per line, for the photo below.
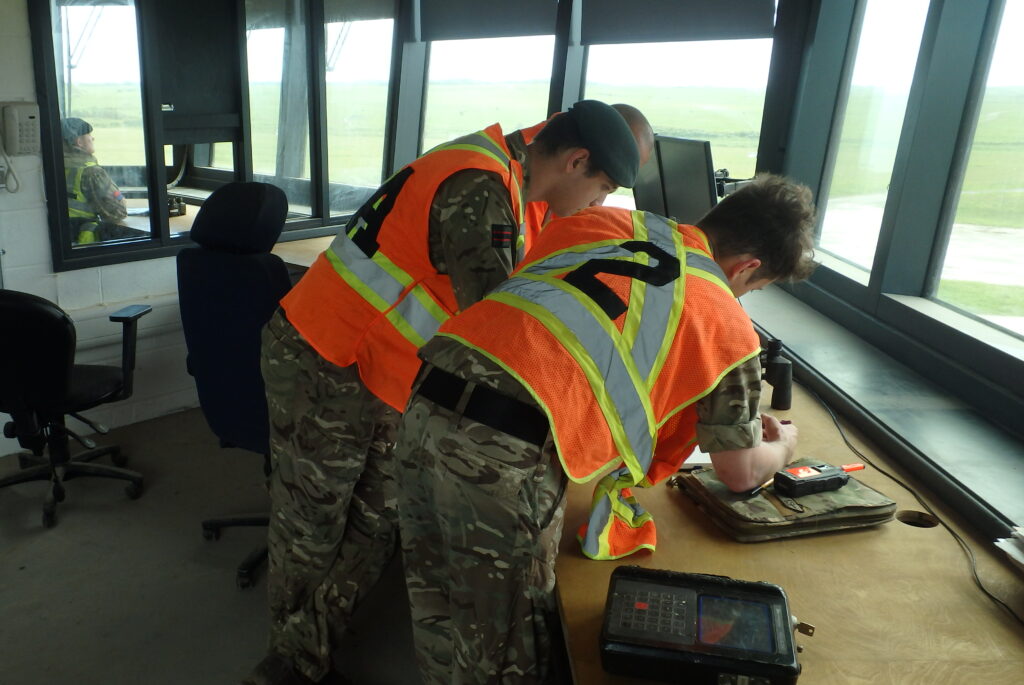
128 317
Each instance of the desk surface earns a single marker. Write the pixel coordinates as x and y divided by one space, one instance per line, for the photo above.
178 224
302 253
891 604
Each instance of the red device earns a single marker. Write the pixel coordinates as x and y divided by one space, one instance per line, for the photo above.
805 480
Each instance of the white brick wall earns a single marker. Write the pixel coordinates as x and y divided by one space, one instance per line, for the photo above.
89 295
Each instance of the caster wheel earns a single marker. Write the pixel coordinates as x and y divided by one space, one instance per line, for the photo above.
58 492
133 490
211 533
49 516
117 458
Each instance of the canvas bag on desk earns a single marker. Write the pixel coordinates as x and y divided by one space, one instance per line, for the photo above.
768 516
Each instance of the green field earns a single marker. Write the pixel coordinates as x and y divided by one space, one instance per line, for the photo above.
729 118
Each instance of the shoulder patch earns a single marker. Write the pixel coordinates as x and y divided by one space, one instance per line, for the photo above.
503 235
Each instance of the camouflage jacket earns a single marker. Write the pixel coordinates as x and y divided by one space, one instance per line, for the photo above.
470 218
100 191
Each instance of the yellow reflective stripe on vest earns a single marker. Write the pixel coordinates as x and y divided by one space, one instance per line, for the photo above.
381 283
631 325
594 342
78 204
484 144
576 344
609 503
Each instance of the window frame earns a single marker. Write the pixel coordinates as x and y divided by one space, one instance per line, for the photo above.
895 311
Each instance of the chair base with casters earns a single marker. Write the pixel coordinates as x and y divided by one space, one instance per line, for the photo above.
40 385
229 285
35 467
247 571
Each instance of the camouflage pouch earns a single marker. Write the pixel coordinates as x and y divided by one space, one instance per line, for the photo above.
768 516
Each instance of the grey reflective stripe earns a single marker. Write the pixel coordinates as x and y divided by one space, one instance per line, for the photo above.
656 314
701 262
374 278
479 139
565 303
600 514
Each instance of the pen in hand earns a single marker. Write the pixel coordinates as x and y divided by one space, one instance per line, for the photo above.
762 486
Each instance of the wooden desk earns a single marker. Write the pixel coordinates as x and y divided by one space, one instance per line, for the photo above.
891 604
302 253
178 224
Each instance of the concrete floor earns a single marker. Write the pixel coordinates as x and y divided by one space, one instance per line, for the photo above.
124 592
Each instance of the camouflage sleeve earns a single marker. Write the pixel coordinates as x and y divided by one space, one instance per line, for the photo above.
473 233
728 416
103 194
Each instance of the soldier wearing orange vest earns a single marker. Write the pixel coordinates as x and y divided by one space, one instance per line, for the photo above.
339 357
618 344
537 213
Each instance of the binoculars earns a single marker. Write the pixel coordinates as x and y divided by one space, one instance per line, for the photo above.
778 372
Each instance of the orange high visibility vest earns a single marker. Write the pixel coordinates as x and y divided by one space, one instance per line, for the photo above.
630 321
373 298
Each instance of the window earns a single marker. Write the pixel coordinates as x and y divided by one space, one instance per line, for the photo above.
100 103
872 120
981 271
684 92
279 99
472 84
357 55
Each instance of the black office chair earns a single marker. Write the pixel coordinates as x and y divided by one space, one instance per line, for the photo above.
40 384
228 287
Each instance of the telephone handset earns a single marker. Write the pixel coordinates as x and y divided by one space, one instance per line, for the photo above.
20 128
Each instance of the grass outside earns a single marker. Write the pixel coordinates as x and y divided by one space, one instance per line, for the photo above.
729 118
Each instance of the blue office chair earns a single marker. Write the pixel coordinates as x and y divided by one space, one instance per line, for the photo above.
40 384
228 287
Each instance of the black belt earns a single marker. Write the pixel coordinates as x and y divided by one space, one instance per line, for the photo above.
486 406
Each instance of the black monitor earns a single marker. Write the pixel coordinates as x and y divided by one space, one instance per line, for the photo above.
648 193
678 181
687 177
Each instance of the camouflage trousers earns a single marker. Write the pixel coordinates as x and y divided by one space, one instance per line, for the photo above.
332 521
480 514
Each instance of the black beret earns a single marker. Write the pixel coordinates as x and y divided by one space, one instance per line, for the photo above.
73 127
609 139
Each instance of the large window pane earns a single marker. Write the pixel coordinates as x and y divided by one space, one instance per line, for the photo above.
682 94
886 55
686 90
358 58
982 269
97 56
475 83
278 98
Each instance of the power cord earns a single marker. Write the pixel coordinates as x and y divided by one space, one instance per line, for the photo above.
11 180
956 536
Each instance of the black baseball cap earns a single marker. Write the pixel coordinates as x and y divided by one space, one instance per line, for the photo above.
609 139
73 127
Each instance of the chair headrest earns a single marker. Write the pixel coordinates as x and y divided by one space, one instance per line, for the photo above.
242 218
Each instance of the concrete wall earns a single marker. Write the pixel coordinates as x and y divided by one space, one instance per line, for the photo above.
162 385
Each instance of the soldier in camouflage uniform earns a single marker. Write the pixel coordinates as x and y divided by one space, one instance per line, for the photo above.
481 508
333 521
95 204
